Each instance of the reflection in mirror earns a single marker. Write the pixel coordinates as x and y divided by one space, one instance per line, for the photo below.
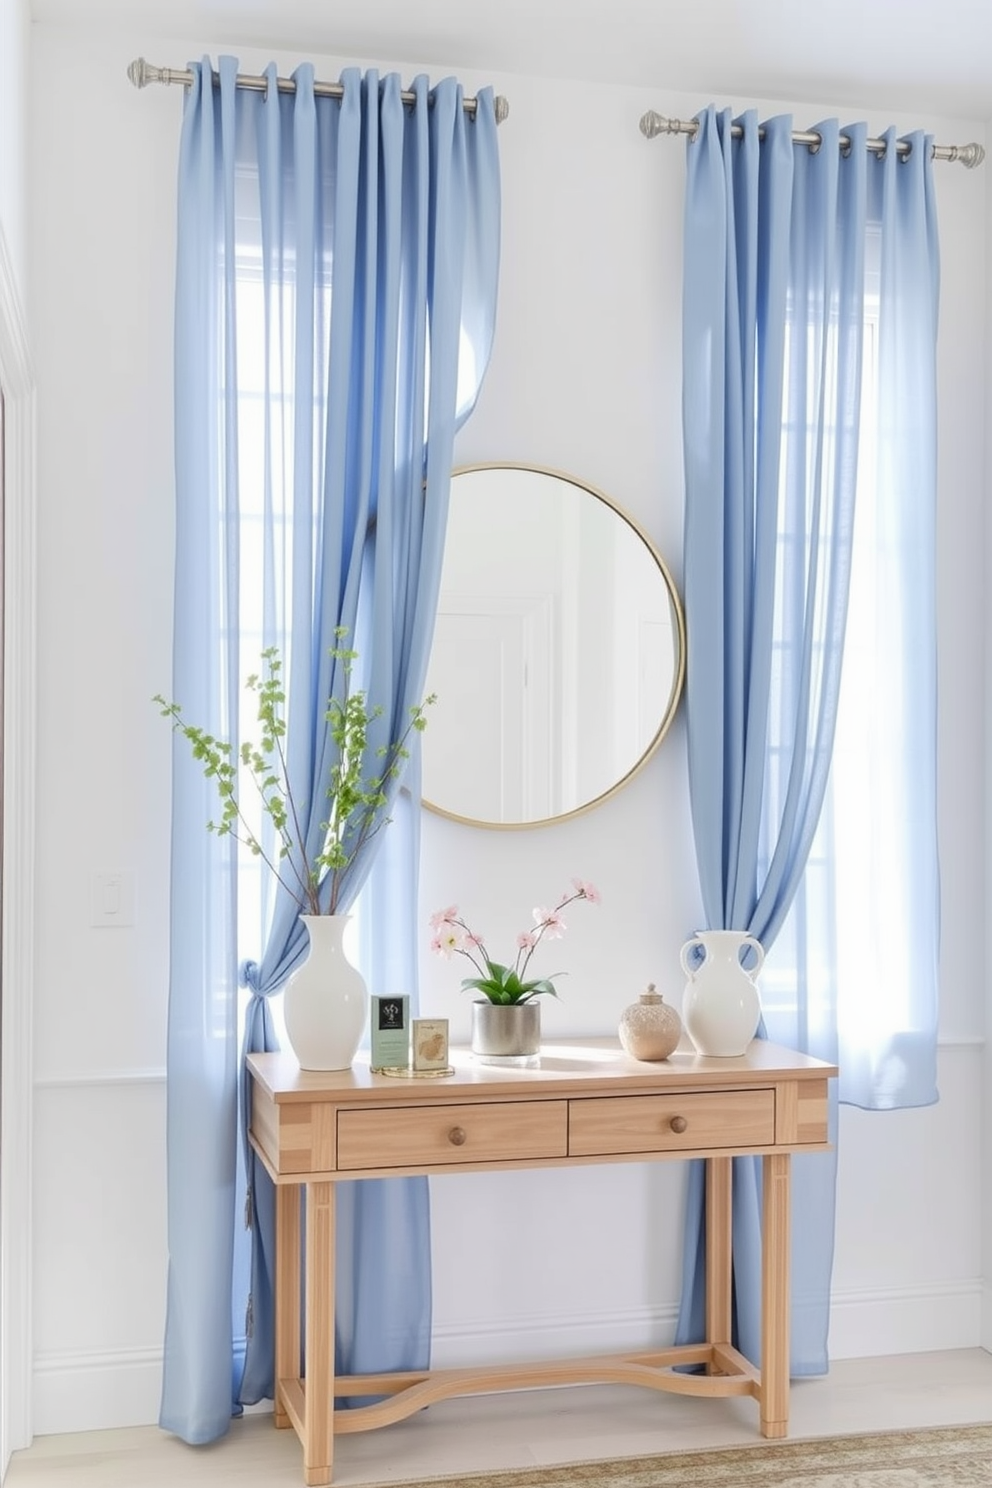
558 654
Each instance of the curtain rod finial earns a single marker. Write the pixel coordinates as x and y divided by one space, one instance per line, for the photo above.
140 73
970 155
653 124
501 108
143 74
967 155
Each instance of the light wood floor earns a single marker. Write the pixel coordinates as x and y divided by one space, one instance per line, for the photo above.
522 1430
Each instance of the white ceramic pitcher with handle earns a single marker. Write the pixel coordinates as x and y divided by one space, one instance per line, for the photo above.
720 1006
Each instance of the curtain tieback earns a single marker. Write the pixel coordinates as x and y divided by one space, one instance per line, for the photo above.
248 977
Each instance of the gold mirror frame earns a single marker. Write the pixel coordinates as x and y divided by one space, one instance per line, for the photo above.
678 661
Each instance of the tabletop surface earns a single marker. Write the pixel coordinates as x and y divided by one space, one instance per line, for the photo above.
580 1066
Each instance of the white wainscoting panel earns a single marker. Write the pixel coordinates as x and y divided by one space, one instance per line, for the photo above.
99 1250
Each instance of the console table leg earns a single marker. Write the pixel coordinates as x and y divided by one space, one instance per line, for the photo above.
718 1249
287 1298
775 1295
318 1437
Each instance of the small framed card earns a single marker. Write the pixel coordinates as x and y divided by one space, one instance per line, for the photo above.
430 1044
390 1026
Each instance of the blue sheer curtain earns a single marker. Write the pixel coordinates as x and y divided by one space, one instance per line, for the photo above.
777 239
336 284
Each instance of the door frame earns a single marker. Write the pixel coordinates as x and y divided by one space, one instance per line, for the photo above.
18 870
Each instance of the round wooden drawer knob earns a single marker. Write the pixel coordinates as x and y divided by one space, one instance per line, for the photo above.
456 1136
678 1124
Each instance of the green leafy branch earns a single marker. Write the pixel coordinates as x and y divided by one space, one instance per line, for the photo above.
356 810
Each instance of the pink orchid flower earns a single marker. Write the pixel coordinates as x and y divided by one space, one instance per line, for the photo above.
550 922
505 984
445 943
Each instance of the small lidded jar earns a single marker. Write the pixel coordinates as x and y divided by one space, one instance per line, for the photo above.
649 1028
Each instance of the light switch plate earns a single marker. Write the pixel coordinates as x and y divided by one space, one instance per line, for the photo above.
112 899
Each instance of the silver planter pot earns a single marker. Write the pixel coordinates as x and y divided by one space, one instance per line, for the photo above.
506 1033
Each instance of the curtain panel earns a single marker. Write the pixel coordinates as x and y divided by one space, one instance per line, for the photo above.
784 247
336 290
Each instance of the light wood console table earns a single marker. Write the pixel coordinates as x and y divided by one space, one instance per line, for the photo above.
587 1102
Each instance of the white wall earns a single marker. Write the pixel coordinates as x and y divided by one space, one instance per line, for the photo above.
585 377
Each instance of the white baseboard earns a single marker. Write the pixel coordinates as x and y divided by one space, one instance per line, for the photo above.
97 1391
905 1320
551 1335
122 1387
863 1324
100 1391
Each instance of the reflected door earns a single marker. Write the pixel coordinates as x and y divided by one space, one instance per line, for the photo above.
489 726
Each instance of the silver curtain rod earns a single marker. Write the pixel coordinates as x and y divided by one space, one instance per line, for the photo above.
653 124
142 73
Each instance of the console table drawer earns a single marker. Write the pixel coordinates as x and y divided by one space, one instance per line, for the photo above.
428 1136
671 1123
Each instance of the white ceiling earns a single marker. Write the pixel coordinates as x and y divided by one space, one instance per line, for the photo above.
932 56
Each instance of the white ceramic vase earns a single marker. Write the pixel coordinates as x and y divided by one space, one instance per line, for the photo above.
326 1001
720 1006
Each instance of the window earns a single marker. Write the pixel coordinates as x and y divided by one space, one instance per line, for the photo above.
848 941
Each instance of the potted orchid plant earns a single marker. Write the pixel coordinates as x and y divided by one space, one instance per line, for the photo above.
506 1022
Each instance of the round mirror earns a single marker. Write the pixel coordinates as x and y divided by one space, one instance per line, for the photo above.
558 654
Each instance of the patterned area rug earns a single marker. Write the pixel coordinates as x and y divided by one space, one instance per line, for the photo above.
949 1457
